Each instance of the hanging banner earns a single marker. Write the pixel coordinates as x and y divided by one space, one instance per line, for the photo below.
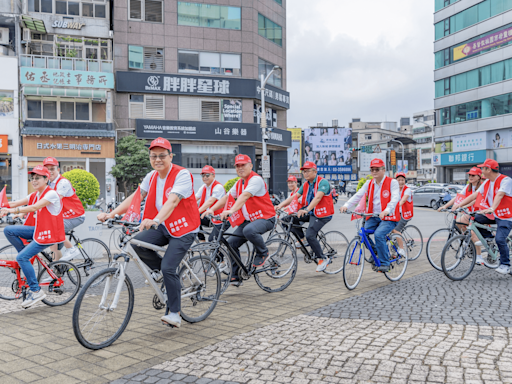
295 153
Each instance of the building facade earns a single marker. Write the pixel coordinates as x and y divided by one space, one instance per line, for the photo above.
473 85
423 134
189 72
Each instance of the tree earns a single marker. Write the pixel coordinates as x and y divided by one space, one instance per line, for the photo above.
229 184
86 185
363 181
132 162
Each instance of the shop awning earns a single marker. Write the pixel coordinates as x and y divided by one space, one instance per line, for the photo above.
33 24
33 131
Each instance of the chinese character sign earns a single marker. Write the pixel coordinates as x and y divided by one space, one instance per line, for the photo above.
65 78
470 141
491 40
294 153
328 146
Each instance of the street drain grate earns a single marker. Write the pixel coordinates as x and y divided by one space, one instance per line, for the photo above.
485 337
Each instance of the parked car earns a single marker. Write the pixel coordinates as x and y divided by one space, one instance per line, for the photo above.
351 188
428 195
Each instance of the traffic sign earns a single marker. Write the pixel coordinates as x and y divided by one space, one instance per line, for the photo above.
393 157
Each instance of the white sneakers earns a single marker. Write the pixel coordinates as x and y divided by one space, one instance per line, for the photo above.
172 318
156 275
478 243
70 254
33 298
322 264
479 260
503 269
401 252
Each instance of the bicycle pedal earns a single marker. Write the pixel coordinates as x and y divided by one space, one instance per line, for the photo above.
169 325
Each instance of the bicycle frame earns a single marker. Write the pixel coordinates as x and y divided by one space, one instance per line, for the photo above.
473 226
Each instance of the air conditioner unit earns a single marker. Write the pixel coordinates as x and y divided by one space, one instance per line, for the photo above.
26 34
4 36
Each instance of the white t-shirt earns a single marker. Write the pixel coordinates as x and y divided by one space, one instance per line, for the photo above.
54 199
218 192
255 187
182 186
506 186
407 192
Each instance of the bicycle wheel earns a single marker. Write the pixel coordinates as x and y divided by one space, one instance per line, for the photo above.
280 268
97 251
96 322
334 246
8 278
221 258
414 241
435 245
353 263
458 257
489 262
61 291
398 261
199 298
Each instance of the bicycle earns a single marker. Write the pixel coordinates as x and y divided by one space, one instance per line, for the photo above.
460 250
60 280
281 263
413 241
355 255
102 311
334 245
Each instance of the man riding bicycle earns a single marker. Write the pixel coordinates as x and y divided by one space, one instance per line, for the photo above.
318 211
171 207
72 209
494 197
210 192
383 196
253 199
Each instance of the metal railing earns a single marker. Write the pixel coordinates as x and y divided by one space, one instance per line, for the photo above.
67 63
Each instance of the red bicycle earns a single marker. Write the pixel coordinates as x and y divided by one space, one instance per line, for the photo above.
60 280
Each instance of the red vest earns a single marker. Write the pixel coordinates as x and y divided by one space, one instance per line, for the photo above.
408 207
203 199
49 228
385 198
257 207
325 207
504 210
30 221
185 217
71 206
468 192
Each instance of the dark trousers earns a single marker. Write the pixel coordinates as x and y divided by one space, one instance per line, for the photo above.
177 249
215 231
504 228
250 231
315 225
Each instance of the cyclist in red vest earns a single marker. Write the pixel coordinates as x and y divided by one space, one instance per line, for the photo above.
252 197
405 206
47 229
494 197
292 185
170 206
383 196
210 192
72 208
315 195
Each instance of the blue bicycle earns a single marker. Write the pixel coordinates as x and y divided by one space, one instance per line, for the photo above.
355 258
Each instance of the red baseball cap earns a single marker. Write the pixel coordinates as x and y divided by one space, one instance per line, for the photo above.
400 174
308 165
291 178
50 161
377 163
475 171
242 159
208 169
162 143
490 163
40 170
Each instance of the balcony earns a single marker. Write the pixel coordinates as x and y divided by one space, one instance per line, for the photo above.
415 131
67 63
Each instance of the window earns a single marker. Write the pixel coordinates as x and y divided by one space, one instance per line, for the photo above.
270 30
280 2
93 10
213 63
197 109
64 109
209 15
271 116
147 107
87 8
219 157
44 6
147 58
264 68
146 10
440 4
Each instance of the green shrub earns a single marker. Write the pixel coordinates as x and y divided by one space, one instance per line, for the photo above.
86 185
229 184
362 181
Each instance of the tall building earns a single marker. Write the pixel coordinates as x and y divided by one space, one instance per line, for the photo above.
67 83
423 134
190 72
473 94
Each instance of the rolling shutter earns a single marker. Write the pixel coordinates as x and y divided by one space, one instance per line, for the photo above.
154 107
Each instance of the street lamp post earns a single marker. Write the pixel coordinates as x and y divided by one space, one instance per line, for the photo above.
263 118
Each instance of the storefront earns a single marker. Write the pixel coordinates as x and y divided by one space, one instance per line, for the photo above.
452 166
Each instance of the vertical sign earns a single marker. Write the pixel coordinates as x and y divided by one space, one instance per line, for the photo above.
294 153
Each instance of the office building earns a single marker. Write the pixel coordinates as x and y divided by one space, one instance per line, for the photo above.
423 134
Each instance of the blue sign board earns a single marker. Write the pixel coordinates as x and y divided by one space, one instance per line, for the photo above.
468 157
471 115
66 78
334 169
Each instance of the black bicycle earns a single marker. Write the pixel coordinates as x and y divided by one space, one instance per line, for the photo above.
275 275
439 238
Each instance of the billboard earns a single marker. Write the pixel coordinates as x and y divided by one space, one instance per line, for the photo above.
295 152
490 40
328 147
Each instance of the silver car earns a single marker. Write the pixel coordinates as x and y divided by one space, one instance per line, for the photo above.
428 196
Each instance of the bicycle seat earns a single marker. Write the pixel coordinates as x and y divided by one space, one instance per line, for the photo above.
70 232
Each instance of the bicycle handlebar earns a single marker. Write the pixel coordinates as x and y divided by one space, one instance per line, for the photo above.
362 214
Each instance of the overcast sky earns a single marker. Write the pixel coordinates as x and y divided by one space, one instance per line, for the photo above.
368 58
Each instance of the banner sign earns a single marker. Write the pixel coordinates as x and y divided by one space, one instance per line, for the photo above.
199 86
294 153
491 40
334 169
469 157
63 78
470 141
329 149
232 110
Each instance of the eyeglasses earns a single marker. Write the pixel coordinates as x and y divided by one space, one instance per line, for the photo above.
160 156
308 170
206 175
36 179
375 169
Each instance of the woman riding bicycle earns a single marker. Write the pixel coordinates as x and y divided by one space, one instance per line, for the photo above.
406 205
48 229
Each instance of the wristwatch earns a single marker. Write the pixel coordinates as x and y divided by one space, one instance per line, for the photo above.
156 221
